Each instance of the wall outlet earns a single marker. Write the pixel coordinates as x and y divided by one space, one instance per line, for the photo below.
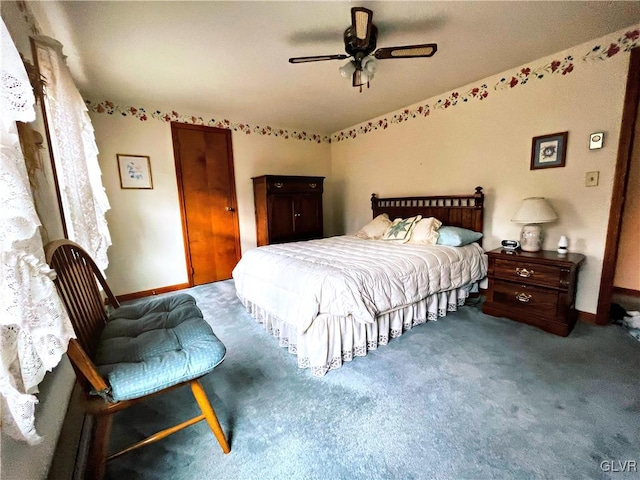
591 179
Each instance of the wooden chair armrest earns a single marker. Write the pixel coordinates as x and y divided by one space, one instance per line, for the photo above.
86 366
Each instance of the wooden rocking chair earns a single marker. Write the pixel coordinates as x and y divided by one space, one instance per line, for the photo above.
133 352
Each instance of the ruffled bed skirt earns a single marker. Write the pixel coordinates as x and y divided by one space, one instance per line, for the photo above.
332 340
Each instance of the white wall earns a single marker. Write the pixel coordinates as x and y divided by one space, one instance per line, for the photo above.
488 143
146 229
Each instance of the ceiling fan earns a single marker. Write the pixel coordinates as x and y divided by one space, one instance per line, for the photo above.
360 41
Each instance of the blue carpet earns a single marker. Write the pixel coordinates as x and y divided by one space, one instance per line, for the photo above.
469 396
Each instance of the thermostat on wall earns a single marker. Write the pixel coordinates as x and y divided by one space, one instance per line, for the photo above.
595 140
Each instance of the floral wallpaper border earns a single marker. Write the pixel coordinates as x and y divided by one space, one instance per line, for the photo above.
560 66
141 114
563 66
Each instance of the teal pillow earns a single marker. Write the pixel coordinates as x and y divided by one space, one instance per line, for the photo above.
457 236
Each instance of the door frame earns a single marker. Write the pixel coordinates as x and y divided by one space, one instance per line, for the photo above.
232 184
620 184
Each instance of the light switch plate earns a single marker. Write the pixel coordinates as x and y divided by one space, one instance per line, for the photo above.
591 179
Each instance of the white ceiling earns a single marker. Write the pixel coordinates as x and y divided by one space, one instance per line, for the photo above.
230 59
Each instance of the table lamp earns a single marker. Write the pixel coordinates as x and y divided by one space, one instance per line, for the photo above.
533 212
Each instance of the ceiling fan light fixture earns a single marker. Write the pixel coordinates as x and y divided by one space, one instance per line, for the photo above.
369 65
346 71
360 43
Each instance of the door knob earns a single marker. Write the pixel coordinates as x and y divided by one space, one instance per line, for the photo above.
229 209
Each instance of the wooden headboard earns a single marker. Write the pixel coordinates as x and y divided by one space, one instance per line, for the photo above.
465 211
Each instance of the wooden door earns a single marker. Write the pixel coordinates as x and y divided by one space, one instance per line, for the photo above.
206 185
308 212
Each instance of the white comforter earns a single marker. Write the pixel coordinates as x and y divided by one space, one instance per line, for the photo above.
346 275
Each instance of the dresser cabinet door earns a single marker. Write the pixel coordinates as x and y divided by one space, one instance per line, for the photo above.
307 216
281 215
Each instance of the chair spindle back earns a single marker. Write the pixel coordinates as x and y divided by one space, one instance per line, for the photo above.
77 283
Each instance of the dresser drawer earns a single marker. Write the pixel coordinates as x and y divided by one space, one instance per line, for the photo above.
539 301
288 186
530 273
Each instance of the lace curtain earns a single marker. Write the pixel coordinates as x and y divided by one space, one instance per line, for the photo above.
34 326
84 200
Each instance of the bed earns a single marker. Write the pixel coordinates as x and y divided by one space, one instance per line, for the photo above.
330 300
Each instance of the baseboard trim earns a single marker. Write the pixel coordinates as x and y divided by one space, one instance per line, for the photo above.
626 291
587 317
153 291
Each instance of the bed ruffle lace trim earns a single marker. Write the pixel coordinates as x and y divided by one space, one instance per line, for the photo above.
348 338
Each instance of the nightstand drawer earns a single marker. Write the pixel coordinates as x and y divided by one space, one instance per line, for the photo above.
540 301
530 273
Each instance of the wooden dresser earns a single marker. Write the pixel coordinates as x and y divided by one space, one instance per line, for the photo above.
534 288
288 208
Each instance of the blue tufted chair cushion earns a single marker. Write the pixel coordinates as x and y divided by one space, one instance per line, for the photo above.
151 345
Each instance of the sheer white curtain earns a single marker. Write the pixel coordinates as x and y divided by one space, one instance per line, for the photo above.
84 200
34 327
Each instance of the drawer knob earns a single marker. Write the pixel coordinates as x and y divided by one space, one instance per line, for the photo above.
523 297
523 272
313 185
278 184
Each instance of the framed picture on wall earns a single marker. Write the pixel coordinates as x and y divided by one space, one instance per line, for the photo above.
549 151
135 171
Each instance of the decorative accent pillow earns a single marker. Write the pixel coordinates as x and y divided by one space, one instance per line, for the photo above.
401 228
426 231
457 236
375 228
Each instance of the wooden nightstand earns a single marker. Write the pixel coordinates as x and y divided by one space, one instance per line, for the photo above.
534 288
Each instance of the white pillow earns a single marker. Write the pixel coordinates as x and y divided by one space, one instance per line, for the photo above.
426 231
400 229
375 228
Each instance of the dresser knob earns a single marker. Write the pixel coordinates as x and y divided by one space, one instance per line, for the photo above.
313 185
278 184
523 272
523 297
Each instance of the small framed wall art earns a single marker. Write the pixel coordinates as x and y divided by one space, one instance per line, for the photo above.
549 151
135 171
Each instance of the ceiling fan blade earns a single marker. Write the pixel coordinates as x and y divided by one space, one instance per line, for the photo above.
318 58
361 23
408 51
